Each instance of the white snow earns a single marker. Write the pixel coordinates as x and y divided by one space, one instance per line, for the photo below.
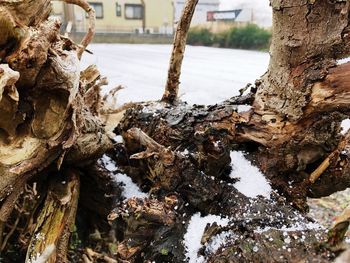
130 189
209 75
252 182
217 241
108 163
302 227
195 230
185 152
43 257
118 139
298 226
343 61
345 125
243 108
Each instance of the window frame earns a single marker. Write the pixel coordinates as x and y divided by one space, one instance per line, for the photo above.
134 5
118 14
97 3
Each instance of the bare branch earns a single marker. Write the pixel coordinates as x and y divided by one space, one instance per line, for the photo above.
91 18
172 86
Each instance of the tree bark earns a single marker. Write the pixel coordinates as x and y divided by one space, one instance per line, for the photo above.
292 130
177 55
177 153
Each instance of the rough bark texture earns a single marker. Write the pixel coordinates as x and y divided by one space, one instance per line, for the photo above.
302 52
292 131
51 136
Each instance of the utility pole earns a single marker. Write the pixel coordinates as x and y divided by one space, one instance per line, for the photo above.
143 15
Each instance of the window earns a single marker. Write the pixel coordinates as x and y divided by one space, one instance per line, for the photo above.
98 9
118 9
133 11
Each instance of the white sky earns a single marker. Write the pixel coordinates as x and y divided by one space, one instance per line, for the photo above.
261 8
263 5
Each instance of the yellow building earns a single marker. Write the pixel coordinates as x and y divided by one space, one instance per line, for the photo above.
122 16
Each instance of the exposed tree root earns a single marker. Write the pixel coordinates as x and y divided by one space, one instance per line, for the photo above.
52 133
56 219
91 20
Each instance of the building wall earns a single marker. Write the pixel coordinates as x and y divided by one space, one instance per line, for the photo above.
159 17
200 14
57 9
160 14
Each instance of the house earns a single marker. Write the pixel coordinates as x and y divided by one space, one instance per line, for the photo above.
122 16
200 14
253 11
223 20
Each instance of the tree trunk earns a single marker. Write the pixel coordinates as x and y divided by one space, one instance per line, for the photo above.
143 16
291 131
52 136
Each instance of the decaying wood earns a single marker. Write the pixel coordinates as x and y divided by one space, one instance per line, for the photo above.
51 130
50 115
172 86
292 130
340 226
91 21
56 220
49 120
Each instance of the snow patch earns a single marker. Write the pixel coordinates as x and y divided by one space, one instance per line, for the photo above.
343 61
154 106
185 152
130 189
345 126
118 139
195 230
217 241
298 226
44 256
108 163
252 182
243 108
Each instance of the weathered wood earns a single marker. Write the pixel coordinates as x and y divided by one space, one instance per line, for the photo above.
55 222
91 22
43 77
291 131
301 53
52 120
177 55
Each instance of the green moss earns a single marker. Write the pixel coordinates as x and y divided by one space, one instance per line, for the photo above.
75 241
164 251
